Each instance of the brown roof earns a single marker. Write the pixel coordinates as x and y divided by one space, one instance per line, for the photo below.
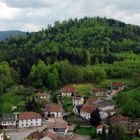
68 89
100 126
98 90
87 108
35 135
53 108
28 115
51 135
105 103
57 123
91 100
118 118
117 84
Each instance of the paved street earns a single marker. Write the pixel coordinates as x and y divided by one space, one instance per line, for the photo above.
21 134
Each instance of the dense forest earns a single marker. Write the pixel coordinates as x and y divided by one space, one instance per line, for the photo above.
77 50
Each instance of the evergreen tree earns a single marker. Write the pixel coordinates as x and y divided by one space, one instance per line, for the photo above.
103 135
95 118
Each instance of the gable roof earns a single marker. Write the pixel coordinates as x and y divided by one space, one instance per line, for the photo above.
28 115
87 108
8 118
53 108
91 100
100 126
105 103
51 134
117 84
68 89
35 135
118 118
57 123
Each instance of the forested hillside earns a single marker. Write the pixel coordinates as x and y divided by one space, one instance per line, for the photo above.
6 34
38 58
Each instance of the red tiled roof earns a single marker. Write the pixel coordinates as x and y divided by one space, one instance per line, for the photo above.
117 84
57 123
68 89
51 135
52 125
118 118
91 100
100 126
87 108
53 108
28 115
35 135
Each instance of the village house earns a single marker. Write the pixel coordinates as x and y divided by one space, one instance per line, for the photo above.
53 136
8 121
68 91
1 135
57 125
77 101
77 109
105 105
53 110
119 119
99 92
43 96
99 128
86 111
103 115
93 101
29 119
117 86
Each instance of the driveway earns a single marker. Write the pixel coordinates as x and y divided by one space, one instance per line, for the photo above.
21 134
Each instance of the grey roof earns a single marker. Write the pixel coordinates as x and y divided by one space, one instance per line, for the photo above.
105 103
8 117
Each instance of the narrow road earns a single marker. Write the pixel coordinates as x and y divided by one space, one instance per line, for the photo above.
21 134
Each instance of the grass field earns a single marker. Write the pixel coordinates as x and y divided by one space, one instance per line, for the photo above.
91 131
126 81
67 103
83 89
11 98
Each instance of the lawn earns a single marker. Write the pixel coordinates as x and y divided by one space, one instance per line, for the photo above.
67 103
91 131
134 94
9 100
84 89
13 98
126 81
